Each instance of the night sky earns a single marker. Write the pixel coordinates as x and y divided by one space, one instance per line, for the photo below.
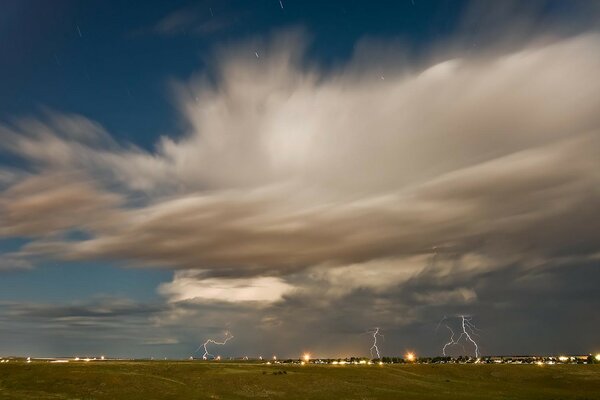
298 173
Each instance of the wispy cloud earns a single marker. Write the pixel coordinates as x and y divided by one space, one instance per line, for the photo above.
294 168
193 20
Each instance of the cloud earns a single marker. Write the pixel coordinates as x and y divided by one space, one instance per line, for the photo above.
489 209
98 326
53 202
161 341
97 309
529 311
189 286
71 144
513 307
192 20
11 262
286 169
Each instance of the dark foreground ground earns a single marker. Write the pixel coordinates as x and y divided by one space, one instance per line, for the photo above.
199 380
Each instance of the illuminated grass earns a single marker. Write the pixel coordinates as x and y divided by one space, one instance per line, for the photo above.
229 380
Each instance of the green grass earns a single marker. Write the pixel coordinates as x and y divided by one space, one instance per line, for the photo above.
228 380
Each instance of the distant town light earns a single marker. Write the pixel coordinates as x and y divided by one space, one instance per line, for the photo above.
598 357
306 357
410 356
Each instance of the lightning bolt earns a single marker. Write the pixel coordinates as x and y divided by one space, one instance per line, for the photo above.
206 355
466 323
450 343
374 347
467 329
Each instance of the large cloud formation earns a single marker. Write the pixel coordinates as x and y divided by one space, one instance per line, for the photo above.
291 180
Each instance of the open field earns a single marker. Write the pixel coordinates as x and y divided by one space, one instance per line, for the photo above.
199 380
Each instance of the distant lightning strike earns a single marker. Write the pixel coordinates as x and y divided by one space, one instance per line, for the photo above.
206 355
468 329
374 348
466 323
450 343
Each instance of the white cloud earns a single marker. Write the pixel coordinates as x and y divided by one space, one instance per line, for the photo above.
285 168
189 286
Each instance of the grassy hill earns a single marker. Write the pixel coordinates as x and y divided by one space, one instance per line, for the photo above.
229 380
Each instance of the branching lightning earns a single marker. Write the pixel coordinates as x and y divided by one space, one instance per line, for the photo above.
207 355
374 348
468 325
468 330
450 343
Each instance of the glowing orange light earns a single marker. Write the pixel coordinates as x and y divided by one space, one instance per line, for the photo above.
306 357
410 356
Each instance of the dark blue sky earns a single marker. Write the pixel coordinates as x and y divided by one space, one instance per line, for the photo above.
117 69
125 205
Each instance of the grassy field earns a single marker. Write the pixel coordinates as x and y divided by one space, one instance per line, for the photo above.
199 380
